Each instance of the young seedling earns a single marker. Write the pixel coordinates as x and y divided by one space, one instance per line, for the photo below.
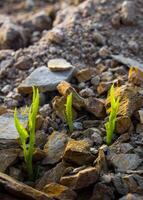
27 137
110 125
68 112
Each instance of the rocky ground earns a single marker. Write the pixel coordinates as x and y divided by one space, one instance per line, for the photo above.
83 47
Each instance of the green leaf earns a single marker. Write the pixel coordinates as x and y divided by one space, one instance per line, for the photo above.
68 112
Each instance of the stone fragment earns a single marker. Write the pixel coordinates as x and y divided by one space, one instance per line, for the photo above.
128 61
128 13
85 74
23 63
7 158
59 192
59 64
55 147
102 191
82 179
135 76
95 80
64 88
3 110
119 184
4 66
38 22
44 79
125 162
103 87
18 189
7 127
12 36
130 196
78 152
87 92
52 175
123 124
104 52
55 36
141 116
130 100
98 38
95 106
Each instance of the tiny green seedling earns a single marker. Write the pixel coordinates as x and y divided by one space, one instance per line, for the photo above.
27 137
110 125
68 112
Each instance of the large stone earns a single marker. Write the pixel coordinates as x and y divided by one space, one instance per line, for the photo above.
95 106
59 64
18 189
8 133
52 175
125 162
102 191
135 76
78 152
128 13
38 22
82 179
64 88
12 36
55 147
7 158
85 74
130 100
123 124
59 192
7 127
44 79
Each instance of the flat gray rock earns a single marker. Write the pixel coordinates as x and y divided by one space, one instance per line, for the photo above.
44 79
128 61
125 162
8 133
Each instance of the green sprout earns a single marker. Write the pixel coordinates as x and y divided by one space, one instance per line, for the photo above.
27 136
110 125
68 112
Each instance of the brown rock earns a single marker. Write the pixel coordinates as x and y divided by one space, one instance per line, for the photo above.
12 36
128 13
85 74
82 179
55 147
3 110
55 36
130 100
78 152
103 87
7 158
53 175
59 107
59 192
23 63
64 88
135 76
101 191
18 189
123 124
95 106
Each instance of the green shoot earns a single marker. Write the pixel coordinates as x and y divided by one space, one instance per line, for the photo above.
68 112
110 125
27 137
